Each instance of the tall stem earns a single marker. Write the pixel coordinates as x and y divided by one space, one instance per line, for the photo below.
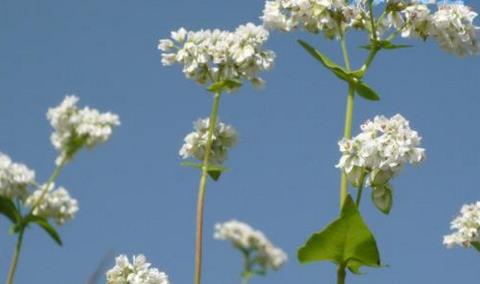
360 189
16 256
51 180
201 189
341 275
348 120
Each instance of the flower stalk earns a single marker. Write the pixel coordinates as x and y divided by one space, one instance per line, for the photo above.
202 188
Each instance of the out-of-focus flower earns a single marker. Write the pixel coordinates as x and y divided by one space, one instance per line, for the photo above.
14 178
467 226
137 272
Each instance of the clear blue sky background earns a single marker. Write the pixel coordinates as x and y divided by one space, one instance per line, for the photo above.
135 198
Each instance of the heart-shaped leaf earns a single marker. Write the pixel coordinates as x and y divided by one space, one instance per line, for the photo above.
346 242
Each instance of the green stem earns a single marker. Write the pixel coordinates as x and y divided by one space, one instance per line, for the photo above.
360 189
201 189
348 119
372 21
16 256
341 274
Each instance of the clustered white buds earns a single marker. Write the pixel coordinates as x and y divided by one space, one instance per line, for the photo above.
14 178
224 137
251 241
328 16
75 128
53 204
137 272
467 225
381 150
211 56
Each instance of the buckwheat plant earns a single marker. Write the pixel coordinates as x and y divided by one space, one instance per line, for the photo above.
385 145
26 202
220 61
467 226
137 272
259 254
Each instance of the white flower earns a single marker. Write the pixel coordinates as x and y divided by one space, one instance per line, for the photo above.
454 30
467 226
75 128
417 21
210 56
327 16
14 178
137 272
224 137
55 204
381 150
251 241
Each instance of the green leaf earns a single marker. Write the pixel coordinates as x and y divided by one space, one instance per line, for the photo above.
214 171
385 44
382 197
7 208
228 86
46 226
366 92
346 242
327 62
476 245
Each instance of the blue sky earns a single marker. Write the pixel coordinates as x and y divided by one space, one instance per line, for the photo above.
135 198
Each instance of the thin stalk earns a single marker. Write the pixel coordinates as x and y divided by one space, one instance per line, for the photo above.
16 256
348 119
201 189
360 189
341 275
246 274
51 180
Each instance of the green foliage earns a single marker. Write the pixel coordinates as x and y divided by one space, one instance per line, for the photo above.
7 208
228 86
214 171
385 44
347 242
476 245
46 226
382 197
351 77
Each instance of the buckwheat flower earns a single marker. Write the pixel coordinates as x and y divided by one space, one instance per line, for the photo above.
454 30
381 150
210 56
467 226
14 178
252 242
137 272
53 204
75 128
417 21
328 16
224 137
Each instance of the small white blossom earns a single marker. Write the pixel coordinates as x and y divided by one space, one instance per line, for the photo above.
210 56
14 178
224 137
137 272
251 241
467 226
381 150
55 204
328 16
75 128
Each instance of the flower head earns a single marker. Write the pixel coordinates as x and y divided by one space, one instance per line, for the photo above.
224 137
137 272
210 56
252 242
14 178
75 128
467 226
380 150
53 203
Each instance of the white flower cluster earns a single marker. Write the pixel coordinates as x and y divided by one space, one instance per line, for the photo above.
14 178
224 137
212 56
451 25
381 150
137 272
75 128
249 240
53 204
467 225
327 16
